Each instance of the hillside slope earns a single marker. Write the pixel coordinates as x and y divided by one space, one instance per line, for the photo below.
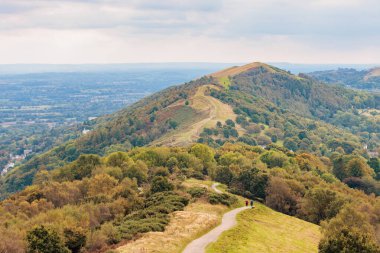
261 229
255 104
364 79
264 230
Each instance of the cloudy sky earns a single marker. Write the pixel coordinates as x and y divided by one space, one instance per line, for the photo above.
122 31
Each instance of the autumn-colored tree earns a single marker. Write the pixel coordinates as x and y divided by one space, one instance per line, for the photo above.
281 197
350 231
320 204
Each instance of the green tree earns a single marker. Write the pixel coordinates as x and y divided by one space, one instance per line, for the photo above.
42 240
274 159
137 170
116 159
358 167
374 163
75 239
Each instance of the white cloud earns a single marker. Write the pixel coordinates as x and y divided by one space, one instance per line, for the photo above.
189 30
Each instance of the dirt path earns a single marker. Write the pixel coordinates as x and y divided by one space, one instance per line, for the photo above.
214 185
214 111
228 221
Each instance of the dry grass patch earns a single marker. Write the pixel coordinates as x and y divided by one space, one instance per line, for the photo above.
197 218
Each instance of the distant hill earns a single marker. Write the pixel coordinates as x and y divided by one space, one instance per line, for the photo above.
257 104
359 79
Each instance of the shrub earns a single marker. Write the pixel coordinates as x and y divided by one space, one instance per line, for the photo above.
161 184
224 199
197 192
154 216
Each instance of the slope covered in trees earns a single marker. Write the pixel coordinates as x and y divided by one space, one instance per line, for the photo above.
268 105
363 79
95 203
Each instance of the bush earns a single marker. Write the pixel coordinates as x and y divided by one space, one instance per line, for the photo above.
224 199
154 216
197 192
161 184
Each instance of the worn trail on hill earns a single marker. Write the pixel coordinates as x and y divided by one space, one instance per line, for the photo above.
228 221
214 111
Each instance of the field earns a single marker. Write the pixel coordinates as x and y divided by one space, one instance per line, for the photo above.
264 230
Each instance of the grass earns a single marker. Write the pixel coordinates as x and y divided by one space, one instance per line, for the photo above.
225 81
264 230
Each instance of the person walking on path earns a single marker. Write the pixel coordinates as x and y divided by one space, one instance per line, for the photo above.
251 203
246 203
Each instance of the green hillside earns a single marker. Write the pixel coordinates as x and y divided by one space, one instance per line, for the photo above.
363 79
264 230
259 106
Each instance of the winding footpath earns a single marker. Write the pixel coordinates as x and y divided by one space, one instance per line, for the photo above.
228 221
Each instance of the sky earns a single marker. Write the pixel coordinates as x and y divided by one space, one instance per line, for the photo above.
135 31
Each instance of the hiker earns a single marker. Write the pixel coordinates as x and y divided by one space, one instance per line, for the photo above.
251 203
246 202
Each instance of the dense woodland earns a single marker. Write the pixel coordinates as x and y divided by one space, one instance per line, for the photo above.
96 202
359 79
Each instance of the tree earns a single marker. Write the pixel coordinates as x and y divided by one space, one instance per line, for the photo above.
205 154
84 165
254 182
173 124
281 197
116 159
230 122
350 231
357 167
291 144
274 159
137 170
42 240
263 140
374 163
224 175
349 241
320 204
75 239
